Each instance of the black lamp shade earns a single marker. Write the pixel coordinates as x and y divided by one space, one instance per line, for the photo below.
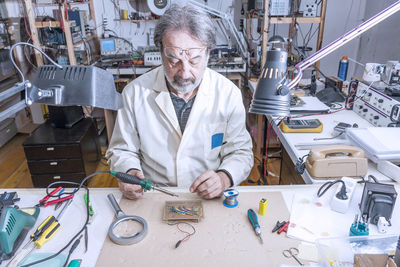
271 97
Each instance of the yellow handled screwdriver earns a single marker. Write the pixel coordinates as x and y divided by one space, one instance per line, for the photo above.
43 233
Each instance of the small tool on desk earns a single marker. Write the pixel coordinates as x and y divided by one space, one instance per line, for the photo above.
278 226
251 214
43 233
292 253
44 201
122 218
14 226
284 228
145 184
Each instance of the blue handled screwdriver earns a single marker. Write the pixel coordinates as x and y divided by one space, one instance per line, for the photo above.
254 222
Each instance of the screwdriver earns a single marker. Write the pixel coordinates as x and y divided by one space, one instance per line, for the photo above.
145 184
254 222
43 233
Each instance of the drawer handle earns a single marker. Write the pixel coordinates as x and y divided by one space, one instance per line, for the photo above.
50 149
57 177
54 163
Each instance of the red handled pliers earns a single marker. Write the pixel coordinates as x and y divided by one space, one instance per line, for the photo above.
45 202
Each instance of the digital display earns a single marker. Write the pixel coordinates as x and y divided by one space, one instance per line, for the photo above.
107 45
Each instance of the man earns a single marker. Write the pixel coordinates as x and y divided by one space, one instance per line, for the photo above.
182 124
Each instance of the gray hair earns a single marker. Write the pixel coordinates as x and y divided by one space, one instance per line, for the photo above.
188 18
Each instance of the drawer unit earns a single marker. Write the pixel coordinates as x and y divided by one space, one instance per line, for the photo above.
59 154
44 180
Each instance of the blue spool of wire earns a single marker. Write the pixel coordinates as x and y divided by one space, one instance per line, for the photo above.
231 198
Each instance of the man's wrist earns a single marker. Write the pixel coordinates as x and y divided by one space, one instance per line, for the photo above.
227 178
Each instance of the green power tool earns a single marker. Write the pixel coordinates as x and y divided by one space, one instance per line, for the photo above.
14 226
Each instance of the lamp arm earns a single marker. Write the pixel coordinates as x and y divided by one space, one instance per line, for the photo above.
368 24
35 47
228 19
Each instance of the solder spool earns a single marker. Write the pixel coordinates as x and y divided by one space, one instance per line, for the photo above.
230 200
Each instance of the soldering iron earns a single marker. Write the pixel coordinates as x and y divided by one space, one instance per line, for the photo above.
145 184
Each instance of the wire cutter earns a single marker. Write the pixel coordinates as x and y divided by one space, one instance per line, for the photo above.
44 201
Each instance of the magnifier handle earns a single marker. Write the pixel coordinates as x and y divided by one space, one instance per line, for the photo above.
114 204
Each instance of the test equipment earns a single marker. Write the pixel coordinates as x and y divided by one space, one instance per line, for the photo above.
115 47
376 106
301 126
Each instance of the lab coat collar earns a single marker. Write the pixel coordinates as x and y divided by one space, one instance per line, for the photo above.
166 106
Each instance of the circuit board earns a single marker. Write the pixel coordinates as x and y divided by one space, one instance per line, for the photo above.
183 211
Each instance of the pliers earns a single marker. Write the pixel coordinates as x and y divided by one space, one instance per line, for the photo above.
44 202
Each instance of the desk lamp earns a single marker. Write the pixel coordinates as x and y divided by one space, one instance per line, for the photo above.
272 97
63 86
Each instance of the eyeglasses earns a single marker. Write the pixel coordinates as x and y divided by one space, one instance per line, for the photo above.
175 54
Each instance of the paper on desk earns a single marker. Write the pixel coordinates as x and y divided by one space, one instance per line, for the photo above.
312 105
312 218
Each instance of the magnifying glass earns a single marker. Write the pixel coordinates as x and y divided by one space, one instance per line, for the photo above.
126 230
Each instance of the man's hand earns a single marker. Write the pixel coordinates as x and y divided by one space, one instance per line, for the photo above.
210 184
132 191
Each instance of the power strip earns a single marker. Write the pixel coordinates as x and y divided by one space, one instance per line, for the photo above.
342 205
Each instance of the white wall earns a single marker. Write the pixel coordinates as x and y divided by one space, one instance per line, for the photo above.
341 16
381 43
139 33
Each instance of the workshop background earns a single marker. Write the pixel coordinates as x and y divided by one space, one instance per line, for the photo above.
117 35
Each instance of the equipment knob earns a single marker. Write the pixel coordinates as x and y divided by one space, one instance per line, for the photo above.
376 117
380 101
365 110
360 107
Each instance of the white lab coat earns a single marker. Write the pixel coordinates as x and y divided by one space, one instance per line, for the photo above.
147 135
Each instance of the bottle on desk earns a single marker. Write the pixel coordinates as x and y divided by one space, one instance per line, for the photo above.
343 66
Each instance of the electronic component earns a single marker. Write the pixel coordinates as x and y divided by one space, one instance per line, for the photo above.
378 200
152 58
279 7
115 47
391 75
183 211
308 8
359 227
301 126
374 105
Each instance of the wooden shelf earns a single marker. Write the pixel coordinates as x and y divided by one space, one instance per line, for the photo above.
136 20
74 3
46 24
86 39
147 20
288 20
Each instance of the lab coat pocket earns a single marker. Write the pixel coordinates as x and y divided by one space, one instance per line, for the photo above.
215 138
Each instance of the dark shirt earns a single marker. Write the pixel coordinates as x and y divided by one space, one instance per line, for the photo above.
182 109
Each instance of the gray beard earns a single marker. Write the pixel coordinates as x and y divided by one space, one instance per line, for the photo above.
182 86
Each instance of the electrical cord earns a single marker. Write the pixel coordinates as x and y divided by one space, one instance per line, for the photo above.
80 185
188 235
340 195
300 165
33 46
71 250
